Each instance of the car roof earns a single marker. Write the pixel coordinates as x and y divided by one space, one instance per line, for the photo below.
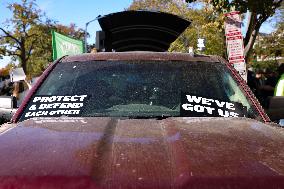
142 55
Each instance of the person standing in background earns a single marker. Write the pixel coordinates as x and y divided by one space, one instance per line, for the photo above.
20 90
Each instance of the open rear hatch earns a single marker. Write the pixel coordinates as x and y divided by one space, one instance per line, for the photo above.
140 30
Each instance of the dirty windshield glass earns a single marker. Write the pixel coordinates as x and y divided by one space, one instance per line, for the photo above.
139 89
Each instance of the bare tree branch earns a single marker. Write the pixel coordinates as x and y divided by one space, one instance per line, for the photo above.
12 53
252 37
16 47
10 36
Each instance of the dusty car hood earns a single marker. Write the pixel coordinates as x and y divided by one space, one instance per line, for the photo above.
142 153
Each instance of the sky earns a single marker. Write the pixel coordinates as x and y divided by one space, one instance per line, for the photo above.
79 12
68 11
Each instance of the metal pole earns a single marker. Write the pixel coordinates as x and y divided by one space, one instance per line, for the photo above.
86 31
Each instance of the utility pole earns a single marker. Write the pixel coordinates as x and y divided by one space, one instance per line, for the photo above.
86 29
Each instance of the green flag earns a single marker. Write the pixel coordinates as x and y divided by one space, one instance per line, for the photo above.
63 45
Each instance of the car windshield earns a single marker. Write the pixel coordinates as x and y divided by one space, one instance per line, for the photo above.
139 89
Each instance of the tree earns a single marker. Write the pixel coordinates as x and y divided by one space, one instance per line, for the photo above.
17 40
270 47
4 72
27 36
205 23
42 53
258 12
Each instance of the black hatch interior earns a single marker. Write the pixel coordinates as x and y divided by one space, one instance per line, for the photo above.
139 31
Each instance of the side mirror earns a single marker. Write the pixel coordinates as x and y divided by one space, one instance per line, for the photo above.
276 108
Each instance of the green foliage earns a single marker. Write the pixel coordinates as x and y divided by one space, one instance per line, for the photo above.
4 72
205 23
42 54
258 12
27 36
260 7
272 45
16 40
264 65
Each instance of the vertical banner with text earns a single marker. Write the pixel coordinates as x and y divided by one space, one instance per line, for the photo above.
63 45
234 41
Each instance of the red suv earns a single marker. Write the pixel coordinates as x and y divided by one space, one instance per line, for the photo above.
141 120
